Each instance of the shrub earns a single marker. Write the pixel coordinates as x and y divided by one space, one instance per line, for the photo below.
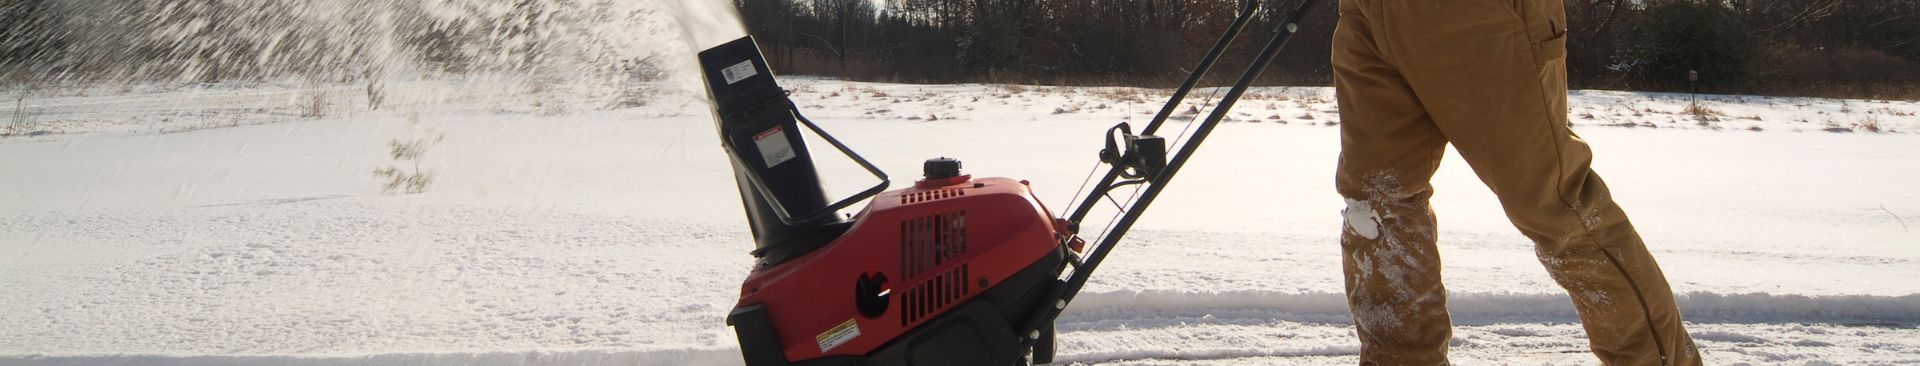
20 122
1869 124
406 175
313 103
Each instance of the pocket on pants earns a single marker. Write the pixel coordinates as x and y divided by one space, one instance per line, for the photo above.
1551 50
1546 24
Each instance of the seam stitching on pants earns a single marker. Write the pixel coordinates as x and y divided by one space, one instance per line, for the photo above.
1384 41
1558 131
1645 311
1555 127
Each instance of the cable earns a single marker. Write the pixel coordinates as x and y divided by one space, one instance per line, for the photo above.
1125 117
1177 141
1083 187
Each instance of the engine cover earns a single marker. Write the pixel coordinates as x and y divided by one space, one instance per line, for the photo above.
924 272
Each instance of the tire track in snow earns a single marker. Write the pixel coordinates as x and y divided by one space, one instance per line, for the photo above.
1091 310
668 357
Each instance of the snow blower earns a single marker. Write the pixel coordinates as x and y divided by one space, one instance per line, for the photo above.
955 270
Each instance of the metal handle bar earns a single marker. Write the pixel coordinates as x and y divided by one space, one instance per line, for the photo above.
1064 293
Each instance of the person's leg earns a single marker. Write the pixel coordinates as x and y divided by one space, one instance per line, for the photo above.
1493 74
1389 150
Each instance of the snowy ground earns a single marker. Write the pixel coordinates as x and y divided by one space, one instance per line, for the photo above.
239 225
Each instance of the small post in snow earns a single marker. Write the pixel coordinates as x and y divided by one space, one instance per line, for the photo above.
1693 84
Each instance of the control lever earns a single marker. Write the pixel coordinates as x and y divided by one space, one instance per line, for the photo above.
1143 156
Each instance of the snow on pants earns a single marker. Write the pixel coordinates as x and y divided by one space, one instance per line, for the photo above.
1488 76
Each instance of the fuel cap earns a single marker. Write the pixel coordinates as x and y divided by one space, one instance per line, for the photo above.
941 168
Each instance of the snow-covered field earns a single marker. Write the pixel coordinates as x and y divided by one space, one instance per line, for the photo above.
232 225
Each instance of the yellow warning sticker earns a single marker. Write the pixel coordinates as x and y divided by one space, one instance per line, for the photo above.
837 336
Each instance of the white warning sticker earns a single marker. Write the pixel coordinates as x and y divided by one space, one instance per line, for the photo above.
774 146
739 71
838 335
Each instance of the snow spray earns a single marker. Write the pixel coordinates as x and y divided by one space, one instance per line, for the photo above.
187 41
703 24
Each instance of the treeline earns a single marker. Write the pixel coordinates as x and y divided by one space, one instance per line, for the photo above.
1116 42
1842 48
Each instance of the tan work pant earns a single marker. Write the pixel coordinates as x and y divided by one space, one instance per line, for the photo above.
1488 76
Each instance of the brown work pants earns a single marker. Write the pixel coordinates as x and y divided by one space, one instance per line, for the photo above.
1488 76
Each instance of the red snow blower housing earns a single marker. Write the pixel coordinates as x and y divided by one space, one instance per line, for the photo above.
954 270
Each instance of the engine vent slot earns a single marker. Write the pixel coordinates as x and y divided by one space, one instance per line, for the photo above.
924 196
931 244
925 299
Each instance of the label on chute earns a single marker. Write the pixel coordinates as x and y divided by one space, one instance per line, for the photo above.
739 71
774 146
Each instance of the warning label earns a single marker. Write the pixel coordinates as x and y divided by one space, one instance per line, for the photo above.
739 71
838 335
774 146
